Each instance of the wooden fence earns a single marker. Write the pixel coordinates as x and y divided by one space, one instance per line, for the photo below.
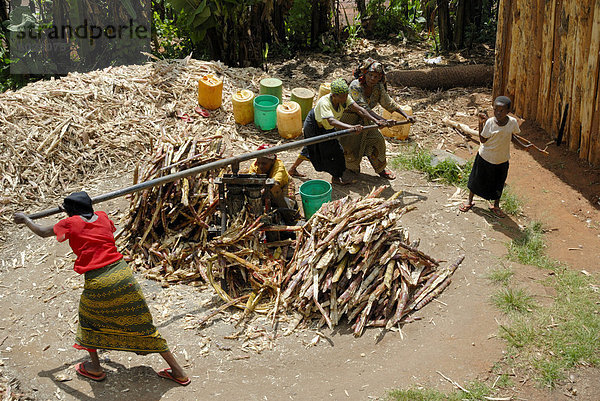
548 63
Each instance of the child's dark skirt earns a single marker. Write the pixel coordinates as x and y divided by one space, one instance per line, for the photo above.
487 179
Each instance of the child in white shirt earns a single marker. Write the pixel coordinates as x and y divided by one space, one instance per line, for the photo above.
490 168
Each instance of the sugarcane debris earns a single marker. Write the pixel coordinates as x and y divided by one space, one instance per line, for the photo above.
166 234
353 260
166 227
57 133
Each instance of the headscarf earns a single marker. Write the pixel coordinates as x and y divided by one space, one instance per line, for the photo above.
339 87
369 65
79 203
272 156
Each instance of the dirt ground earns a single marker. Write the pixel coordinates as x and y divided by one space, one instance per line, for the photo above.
457 335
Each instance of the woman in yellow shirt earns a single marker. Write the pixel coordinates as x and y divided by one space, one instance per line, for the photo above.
325 118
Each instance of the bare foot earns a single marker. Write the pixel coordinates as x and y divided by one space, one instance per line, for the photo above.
294 173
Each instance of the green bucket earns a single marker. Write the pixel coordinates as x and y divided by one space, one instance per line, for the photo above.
265 112
314 193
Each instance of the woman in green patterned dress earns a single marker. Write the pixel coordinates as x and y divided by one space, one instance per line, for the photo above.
112 310
369 89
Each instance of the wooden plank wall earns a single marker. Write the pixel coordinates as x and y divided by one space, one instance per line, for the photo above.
548 57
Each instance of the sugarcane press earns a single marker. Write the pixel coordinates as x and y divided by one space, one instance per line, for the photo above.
239 191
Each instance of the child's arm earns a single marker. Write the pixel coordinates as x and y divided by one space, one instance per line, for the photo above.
22 218
482 119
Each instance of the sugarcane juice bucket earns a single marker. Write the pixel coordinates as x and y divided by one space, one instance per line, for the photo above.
271 86
210 92
324 89
243 106
314 193
399 131
265 112
304 97
289 120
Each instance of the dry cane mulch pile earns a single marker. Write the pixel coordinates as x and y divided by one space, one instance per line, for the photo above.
58 135
353 260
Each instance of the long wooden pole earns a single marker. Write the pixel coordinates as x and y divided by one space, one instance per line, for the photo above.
212 166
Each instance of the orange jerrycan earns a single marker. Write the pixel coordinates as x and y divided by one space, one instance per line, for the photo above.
289 120
243 107
210 92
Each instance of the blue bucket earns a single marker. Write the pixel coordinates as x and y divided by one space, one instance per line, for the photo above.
314 193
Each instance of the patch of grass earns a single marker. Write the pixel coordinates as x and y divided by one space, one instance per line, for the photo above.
505 381
529 248
521 333
513 300
555 339
510 203
447 171
501 275
416 395
477 391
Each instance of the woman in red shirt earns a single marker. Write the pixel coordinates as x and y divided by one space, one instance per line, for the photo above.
113 313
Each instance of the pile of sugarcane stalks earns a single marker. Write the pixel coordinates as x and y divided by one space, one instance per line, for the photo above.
353 260
167 226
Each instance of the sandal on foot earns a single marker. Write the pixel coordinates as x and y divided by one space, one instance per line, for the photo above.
387 174
498 212
166 374
80 369
464 207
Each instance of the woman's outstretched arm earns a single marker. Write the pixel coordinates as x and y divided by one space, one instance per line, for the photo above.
42 231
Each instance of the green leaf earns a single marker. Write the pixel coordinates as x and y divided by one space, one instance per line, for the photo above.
21 19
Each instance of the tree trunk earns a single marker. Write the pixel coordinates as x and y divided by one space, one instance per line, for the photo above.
445 29
361 7
459 25
429 10
319 20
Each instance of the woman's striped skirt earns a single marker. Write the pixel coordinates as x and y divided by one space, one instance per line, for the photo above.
113 313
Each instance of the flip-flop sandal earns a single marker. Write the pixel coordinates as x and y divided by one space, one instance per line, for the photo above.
464 207
387 174
498 212
203 112
80 369
166 374
185 117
